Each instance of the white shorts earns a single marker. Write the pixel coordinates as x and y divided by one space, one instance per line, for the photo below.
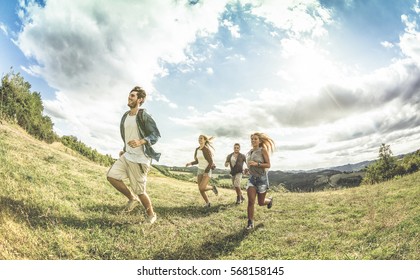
236 180
201 172
135 172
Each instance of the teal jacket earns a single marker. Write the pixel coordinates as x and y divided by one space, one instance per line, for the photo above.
147 130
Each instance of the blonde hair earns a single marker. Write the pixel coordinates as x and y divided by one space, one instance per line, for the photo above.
208 141
265 141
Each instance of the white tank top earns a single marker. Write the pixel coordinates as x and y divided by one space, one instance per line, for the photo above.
202 162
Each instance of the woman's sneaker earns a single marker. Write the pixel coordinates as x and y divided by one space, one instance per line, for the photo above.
216 192
207 205
250 225
152 218
270 204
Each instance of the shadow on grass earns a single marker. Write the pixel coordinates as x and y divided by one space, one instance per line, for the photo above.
104 208
98 215
190 211
220 246
37 216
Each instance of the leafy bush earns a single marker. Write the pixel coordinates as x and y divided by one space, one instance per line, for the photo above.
411 163
388 167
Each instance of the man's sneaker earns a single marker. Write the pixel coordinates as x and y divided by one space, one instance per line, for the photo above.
270 204
242 199
250 225
152 218
207 205
131 205
216 192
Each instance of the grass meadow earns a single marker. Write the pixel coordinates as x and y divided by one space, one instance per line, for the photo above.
55 204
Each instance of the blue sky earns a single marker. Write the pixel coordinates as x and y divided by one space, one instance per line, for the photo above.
329 81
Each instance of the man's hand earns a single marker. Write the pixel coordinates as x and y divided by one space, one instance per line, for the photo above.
136 143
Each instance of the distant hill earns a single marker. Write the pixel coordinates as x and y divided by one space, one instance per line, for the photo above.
336 177
315 181
350 167
291 181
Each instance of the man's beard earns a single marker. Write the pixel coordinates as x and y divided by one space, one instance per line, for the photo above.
132 105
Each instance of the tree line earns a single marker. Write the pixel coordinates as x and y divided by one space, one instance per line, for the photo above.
73 143
21 106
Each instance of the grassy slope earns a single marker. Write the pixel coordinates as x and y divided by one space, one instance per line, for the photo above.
57 205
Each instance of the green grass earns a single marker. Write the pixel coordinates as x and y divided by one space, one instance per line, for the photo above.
55 204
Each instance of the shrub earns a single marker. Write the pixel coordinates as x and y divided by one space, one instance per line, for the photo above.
387 167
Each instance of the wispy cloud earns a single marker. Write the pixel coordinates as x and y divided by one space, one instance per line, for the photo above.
4 29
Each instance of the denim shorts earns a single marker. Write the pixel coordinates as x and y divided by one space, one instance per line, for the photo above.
260 183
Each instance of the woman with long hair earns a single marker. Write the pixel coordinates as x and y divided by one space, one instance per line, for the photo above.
258 161
203 156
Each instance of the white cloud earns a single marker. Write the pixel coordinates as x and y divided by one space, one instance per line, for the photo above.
90 41
210 71
308 65
233 28
410 40
3 28
416 7
387 45
299 18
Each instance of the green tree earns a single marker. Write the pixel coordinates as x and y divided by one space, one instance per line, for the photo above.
387 162
19 105
385 168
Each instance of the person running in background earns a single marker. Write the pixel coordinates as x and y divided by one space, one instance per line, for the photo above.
139 132
258 161
236 161
203 156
